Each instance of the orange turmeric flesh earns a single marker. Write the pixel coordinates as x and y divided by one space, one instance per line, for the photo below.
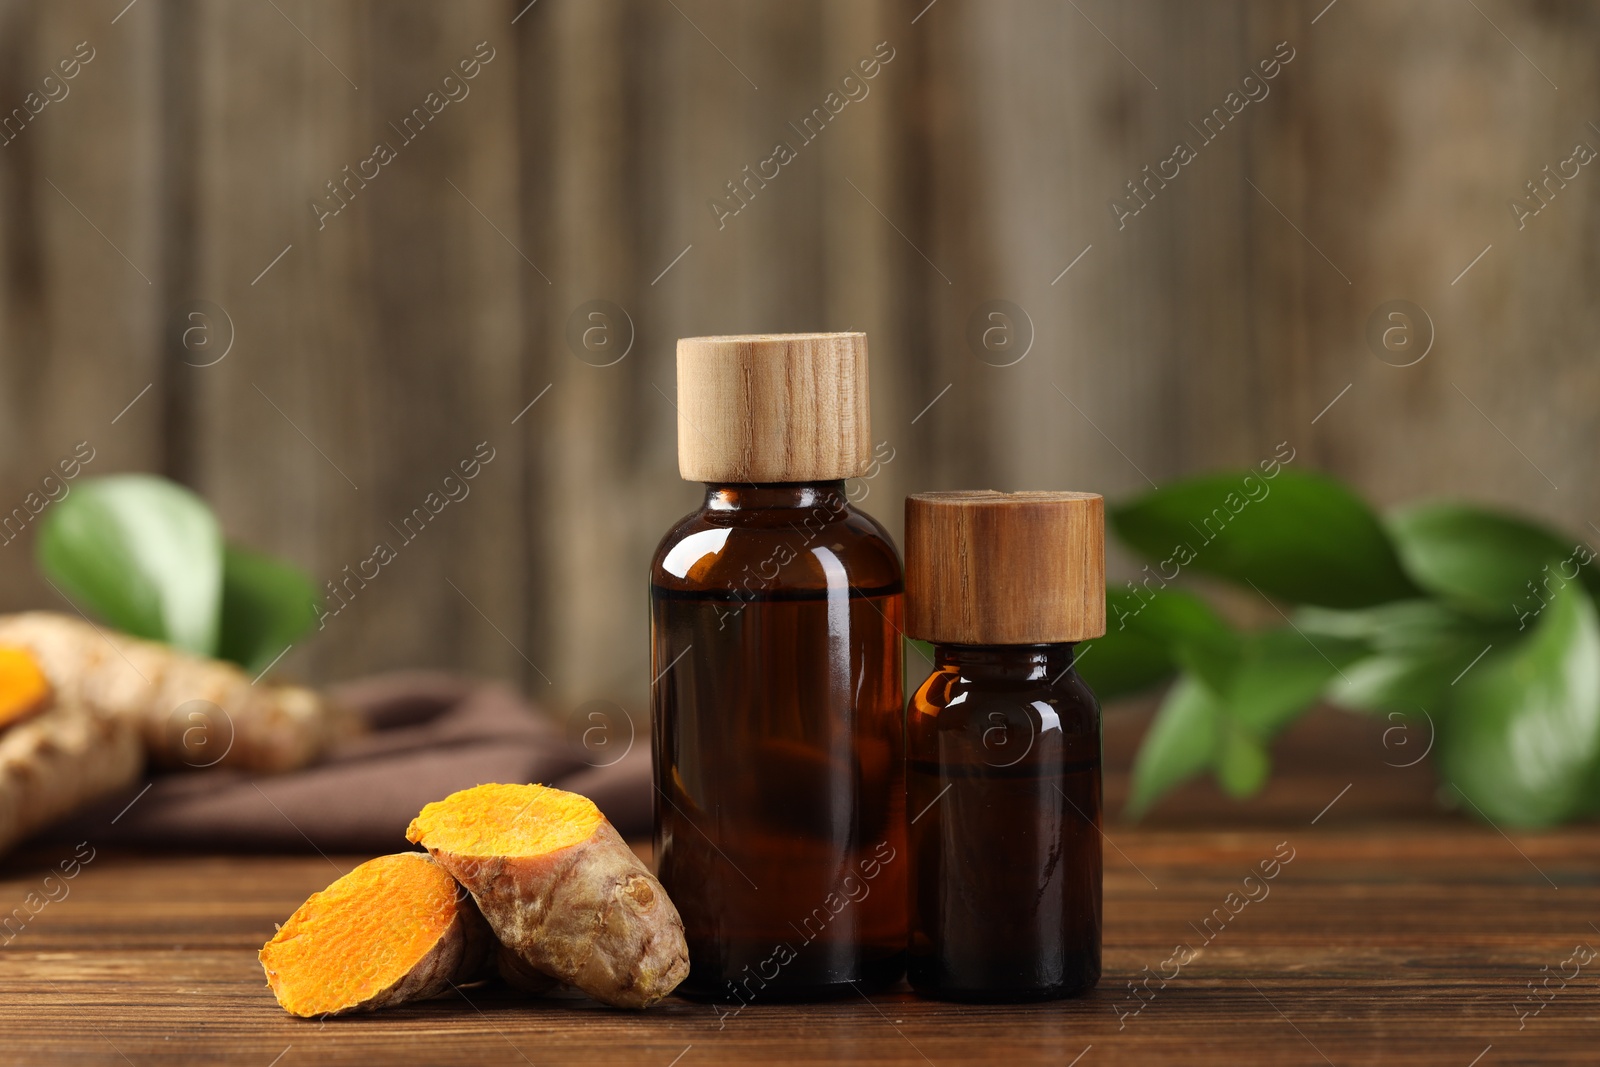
389 931
562 891
24 689
506 820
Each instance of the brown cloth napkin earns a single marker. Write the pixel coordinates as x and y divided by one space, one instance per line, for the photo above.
430 734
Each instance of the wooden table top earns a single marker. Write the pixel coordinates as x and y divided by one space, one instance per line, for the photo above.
1393 935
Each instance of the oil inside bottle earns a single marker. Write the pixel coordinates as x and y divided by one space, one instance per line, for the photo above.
780 808
1004 800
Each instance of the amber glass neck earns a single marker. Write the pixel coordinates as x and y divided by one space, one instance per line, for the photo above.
744 496
1024 663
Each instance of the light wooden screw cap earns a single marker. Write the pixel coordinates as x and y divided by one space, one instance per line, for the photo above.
988 568
773 407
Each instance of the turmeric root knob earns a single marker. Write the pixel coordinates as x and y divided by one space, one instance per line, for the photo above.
23 687
263 728
59 760
393 930
560 888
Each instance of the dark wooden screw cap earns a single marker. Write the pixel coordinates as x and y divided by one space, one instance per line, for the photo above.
988 568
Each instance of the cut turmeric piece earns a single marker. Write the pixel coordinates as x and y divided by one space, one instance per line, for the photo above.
24 689
560 889
395 929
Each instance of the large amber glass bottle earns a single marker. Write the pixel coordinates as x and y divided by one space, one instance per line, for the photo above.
777 700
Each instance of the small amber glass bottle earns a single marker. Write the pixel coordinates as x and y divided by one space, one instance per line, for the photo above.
1003 745
776 611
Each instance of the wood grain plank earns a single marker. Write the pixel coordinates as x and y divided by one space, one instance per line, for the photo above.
1204 332
402 351
285 427
1349 953
447 333
80 260
595 419
1416 130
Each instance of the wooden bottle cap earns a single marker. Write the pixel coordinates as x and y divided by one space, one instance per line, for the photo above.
988 568
773 407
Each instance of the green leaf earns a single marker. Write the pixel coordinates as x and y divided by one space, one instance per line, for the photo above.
916 658
143 553
1148 637
1201 642
1402 625
1297 536
1242 762
1126 659
1178 745
1282 674
266 605
1415 650
1401 682
1487 562
1522 739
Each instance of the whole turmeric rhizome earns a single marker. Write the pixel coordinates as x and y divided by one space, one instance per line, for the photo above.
525 880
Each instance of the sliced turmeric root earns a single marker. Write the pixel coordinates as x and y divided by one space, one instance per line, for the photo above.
561 890
395 929
23 687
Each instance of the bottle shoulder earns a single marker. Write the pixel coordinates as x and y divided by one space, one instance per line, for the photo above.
949 694
746 554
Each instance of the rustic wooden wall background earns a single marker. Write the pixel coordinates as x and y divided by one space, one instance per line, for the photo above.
379 350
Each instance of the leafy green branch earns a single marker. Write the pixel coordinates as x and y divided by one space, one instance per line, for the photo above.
1482 622
148 556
